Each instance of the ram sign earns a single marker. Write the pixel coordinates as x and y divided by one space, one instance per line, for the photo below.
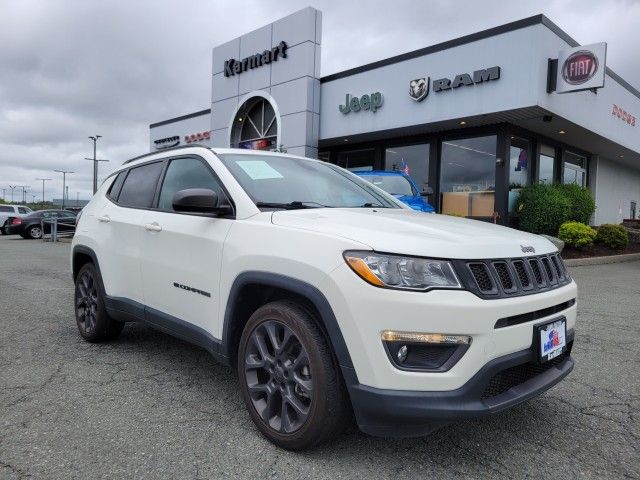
581 68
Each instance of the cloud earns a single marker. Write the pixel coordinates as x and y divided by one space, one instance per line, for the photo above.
80 67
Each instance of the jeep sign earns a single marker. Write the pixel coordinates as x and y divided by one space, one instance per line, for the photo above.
581 68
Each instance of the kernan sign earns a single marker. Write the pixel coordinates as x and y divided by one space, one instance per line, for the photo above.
233 66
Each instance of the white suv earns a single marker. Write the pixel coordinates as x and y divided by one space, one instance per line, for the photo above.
326 294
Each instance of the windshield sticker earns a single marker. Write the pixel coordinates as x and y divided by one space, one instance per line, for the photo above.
258 169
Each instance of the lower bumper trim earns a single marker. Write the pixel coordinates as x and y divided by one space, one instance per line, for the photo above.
403 413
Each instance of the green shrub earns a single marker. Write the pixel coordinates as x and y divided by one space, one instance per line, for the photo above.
582 203
576 234
612 236
542 209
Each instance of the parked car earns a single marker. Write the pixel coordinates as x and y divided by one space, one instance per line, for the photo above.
327 295
30 226
7 212
401 186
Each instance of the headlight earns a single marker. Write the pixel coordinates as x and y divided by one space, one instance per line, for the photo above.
407 273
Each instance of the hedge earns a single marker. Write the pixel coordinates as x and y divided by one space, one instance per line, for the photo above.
612 236
576 234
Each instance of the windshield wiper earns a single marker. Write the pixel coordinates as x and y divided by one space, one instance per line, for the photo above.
295 205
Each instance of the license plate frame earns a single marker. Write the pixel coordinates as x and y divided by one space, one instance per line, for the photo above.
545 351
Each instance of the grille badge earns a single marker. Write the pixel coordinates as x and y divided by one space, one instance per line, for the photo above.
527 249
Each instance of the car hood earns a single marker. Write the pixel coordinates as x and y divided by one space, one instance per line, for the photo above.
410 232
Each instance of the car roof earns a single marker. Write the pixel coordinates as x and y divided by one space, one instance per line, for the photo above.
169 152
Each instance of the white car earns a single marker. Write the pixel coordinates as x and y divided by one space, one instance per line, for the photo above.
325 293
9 211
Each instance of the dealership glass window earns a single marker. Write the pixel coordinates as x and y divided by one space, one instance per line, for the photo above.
519 153
412 160
574 169
467 180
255 126
357 160
545 166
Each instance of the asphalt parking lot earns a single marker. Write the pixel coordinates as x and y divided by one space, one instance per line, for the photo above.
150 406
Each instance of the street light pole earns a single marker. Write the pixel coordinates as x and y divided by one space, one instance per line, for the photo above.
12 187
64 179
43 180
95 162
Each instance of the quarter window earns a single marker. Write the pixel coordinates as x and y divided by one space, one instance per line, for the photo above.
186 173
114 190
139 187
6 209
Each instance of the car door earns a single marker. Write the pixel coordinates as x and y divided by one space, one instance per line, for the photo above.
181 259
119 229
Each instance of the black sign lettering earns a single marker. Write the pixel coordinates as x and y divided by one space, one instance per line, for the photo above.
235 67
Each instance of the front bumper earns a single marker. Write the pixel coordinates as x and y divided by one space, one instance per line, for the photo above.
406 413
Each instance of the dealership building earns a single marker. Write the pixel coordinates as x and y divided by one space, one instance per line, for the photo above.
472 120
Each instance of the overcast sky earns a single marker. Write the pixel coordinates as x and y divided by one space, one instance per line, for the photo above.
74 68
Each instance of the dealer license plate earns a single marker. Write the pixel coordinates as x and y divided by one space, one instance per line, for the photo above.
552 339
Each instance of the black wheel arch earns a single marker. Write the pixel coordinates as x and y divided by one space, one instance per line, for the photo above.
242 302
80 256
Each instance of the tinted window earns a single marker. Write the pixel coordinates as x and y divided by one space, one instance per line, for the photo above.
140 185
186 173
6 209
24 210
114 190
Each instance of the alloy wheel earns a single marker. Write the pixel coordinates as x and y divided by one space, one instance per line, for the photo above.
86 302
278 376
35 232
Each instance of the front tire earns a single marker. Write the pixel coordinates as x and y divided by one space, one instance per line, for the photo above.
94 324
35 232
289 380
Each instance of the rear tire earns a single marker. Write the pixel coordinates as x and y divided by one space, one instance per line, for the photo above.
94 324
289 381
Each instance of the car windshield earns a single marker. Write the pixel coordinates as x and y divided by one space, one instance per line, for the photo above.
283 182
394 184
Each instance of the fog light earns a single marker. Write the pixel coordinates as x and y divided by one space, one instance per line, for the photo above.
402 353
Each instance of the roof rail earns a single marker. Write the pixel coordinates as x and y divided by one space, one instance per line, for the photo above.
171 149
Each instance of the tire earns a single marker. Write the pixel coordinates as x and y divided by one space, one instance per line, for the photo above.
94 324
289 380
34 232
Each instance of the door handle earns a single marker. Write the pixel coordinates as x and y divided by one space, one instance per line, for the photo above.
153 227
104 219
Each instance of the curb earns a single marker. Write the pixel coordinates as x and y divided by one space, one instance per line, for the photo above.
581 262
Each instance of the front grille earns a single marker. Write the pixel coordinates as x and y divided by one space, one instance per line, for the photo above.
482 277
511 377
498 278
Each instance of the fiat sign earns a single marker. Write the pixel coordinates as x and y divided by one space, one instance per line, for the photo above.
581 68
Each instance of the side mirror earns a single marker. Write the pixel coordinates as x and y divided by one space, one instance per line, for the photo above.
199 200
426 192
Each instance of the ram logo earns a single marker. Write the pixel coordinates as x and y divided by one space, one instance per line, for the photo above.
419 88
527 249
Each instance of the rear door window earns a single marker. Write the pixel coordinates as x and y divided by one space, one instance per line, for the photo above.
139 188
23 210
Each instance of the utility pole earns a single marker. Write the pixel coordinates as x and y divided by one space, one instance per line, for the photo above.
24 192
77 198
95 162
67 199
3 195
43 180
64 179
12 187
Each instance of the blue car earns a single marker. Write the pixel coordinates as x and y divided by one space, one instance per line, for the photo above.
400 185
